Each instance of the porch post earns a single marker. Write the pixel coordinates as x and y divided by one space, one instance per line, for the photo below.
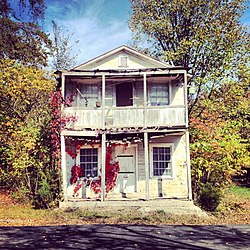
186 98
64 170
146 165
103 142
103 101
103 167
188 166
63 86
145 100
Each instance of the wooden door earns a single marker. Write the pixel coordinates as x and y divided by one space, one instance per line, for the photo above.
126 179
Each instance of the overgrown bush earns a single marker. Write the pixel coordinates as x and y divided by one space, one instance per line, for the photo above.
209 197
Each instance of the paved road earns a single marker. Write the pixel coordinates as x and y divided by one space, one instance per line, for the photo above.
125 237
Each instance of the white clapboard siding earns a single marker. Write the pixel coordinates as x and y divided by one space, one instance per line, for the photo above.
85 118
129 117
169 116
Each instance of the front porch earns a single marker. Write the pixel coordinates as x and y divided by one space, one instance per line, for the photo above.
169 206
138 166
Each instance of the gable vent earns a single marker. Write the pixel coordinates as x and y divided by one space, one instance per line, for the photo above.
123 61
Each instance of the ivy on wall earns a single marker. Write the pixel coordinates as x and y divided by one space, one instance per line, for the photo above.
77 179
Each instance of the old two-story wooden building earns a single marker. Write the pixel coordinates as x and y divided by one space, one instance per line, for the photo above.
126 129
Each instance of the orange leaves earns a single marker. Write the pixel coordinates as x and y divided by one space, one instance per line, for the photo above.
217 151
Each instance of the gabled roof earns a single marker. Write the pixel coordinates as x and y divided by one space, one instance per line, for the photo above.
127 50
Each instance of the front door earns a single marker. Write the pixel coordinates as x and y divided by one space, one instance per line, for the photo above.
126 179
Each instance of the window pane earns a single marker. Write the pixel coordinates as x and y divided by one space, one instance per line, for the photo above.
88 95
89 162
161 161
158 94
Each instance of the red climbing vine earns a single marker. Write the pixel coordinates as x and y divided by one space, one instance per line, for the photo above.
59 121
111 172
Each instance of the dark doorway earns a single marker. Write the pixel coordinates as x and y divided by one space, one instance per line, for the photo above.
124 94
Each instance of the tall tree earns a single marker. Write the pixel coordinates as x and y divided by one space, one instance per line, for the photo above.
220 141
208 38
205 36
21 37
25 151
63 57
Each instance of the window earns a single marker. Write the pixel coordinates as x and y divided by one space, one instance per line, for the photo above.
159 94
88 95
109 95
89 162
161 161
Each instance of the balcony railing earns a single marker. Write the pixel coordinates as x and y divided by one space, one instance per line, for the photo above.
120 117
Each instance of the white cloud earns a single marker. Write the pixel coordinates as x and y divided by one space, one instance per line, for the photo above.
96 30
95 39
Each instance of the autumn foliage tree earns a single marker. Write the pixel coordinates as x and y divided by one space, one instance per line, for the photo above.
21 36
208 38
205 36
25 151
220 140
28 161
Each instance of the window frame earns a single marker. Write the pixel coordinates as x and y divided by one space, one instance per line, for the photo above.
149 91
91 97
78 161
172 162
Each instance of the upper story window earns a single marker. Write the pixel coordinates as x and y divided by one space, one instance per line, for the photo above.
123 61
109 95
158 94
88 95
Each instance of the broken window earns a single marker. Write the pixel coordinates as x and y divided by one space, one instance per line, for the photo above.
88 95
124 94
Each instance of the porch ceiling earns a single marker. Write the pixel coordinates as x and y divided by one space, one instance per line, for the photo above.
126 137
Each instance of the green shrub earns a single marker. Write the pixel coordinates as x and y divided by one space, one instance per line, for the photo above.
209 197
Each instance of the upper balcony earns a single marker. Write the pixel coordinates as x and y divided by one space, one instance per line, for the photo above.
109 100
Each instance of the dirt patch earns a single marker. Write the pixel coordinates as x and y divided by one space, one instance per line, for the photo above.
6 199
14 214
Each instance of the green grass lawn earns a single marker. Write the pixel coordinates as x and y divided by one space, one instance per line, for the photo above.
240 192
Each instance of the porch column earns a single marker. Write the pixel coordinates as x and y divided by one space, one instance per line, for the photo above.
63 86
146 165
103 102
186 98
103 142
145 100
103 167
64 170
188 166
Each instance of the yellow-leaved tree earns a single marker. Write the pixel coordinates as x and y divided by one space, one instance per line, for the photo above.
25 144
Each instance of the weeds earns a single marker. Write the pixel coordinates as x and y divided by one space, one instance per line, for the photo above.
234 209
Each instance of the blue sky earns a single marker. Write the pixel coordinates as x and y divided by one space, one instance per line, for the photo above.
99 25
